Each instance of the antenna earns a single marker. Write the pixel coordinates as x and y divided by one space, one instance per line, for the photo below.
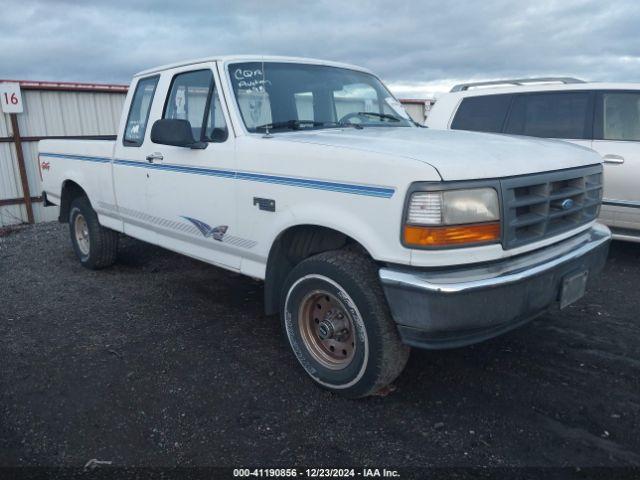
267 133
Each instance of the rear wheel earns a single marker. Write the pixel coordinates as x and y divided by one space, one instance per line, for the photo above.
95 246
339 326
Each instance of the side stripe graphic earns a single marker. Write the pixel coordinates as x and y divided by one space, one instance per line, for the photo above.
77 157
166 224
355 189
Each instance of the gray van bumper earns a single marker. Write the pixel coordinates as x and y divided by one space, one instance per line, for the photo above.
455 307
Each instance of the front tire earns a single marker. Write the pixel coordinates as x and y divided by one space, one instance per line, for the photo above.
338 324
95 246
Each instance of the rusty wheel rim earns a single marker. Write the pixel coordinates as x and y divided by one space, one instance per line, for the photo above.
327 330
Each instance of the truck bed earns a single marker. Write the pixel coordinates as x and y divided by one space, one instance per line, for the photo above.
85 162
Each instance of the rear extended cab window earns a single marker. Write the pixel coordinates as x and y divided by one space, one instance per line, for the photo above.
138 117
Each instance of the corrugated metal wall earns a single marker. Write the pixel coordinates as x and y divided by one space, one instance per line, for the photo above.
47 113
418 110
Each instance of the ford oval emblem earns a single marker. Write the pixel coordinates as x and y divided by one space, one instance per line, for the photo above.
566 204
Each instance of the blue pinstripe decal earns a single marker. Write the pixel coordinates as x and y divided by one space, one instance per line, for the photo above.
382 192
77 157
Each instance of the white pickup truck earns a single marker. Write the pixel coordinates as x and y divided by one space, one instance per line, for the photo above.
371 234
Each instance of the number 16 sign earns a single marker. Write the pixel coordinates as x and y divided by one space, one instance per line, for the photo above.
10 98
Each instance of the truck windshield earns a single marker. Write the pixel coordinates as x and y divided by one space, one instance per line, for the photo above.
291 96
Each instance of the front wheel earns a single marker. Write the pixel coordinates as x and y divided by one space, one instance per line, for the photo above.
95 246
339 326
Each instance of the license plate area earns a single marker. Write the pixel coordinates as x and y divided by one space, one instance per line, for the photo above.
573 288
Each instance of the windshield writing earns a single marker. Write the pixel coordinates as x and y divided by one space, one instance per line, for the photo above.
290 96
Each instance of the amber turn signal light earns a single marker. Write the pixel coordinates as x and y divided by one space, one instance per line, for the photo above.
426 236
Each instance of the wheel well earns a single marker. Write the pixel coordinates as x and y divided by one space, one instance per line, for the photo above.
291 247
70 191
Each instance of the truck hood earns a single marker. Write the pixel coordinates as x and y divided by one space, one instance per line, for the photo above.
456 155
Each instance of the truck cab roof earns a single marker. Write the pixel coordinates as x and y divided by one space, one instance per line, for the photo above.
251 58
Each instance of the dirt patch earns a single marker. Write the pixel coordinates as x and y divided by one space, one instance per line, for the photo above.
162 360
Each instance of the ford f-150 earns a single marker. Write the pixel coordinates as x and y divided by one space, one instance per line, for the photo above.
371 233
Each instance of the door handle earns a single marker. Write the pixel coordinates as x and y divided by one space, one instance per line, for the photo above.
155 157
610 158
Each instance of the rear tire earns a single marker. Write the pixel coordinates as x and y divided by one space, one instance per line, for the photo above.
95 246
338 324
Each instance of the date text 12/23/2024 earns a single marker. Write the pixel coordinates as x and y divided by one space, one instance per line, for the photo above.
315 473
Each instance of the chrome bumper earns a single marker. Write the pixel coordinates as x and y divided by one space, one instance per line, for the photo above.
456 307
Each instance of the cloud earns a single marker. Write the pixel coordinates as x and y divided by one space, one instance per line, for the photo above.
417 47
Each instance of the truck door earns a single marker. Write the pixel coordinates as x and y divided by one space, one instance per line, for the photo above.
192 191
617 139
130 175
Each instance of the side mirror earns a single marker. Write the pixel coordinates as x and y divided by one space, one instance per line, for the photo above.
171 131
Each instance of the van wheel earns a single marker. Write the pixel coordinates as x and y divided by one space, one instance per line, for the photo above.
96 246
338 324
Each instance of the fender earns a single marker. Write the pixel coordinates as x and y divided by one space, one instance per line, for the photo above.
370 236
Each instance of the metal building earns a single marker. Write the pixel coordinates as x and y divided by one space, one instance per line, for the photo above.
51 110
418 109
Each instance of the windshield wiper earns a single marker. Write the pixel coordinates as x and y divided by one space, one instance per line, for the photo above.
343 125
289 124
298 124
380 115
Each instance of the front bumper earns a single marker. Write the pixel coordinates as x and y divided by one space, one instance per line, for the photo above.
455 307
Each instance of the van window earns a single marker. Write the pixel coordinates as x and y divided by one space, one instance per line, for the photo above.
139 112
621 116
551 115
482 114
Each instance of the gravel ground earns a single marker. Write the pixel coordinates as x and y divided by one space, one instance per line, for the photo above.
162 361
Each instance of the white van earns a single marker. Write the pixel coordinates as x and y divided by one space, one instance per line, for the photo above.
601 116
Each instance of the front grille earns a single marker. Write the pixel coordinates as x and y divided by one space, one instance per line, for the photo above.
539 206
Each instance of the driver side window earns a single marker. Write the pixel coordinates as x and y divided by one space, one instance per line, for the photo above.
193 96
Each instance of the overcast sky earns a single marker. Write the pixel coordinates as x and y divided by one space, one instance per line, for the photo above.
417 47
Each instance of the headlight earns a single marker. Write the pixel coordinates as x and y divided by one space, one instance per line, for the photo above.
452 218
